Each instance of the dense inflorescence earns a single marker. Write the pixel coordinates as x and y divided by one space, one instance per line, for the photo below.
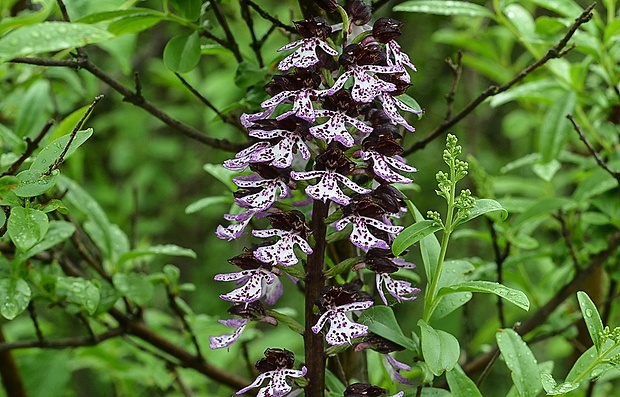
329 133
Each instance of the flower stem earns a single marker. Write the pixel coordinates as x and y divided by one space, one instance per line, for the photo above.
431 292
315 280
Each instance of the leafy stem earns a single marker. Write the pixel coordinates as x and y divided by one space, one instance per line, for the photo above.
458 209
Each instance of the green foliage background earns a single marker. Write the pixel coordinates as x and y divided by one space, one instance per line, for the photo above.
522 151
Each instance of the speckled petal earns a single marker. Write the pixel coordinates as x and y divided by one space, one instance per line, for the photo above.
252 290
218 342
351 185
381 167
248 119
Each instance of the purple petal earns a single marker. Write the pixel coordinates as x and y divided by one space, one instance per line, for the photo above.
218 342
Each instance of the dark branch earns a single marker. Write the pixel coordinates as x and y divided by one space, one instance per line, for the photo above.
265 15
31 146
555 52
62 343
77 127
230 37
592 151
133 98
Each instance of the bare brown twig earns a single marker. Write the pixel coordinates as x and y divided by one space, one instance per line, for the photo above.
556 51
593 152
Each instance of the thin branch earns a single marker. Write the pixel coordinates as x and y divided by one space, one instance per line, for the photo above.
186 326
593 152
255 45
557 51
500 258
265 15
77 127
457 69
62 343
133 98
230 37
566 235
35 321
225 118
31 146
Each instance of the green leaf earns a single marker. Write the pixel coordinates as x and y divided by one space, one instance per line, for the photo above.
334 384
136 287
67 124
32 18
49 37
182 53
546 171
539 209
189 9
533 90
108 237
133 24
555 128
81 293
484 206
287 320
585 367
567 8
429 246
50 153
26 227
440 349
207 202
167 249
57 232
9 138
107 15
445 7
343 266
520 18
381 321
553 389
14 297
248 75
521 362
33 183
489 287
412 103
591 317
455 271
414 233
460 384
221 174
31 118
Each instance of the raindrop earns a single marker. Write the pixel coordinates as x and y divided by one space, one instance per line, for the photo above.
589 312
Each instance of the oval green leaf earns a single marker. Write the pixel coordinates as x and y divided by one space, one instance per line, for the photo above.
14 297
133 24
182 53
26 227
50 153
460 384
382 321
33 183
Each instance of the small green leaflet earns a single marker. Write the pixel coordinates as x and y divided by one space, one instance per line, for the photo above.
382 321
165 249
136 287
81 293
182 53
460 384
484 206
553 389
